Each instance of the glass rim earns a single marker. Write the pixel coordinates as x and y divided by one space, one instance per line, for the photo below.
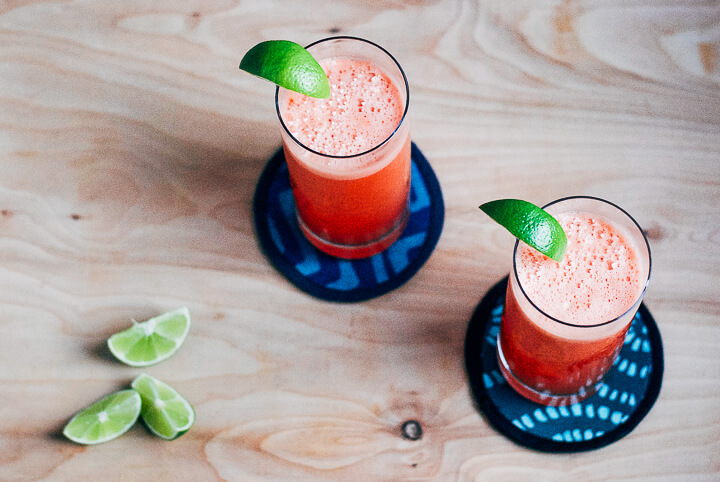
640 296
392 134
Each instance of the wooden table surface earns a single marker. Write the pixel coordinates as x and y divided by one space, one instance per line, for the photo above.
130 147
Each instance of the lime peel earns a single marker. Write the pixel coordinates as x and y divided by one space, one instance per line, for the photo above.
288 65
530 224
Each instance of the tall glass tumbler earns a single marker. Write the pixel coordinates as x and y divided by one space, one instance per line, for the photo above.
560 360
350 204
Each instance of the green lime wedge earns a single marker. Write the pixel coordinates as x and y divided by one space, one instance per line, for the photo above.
530 224
164 411
151 341
288 65
105 419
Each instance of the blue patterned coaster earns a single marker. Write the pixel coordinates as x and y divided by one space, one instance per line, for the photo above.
626 395
335 279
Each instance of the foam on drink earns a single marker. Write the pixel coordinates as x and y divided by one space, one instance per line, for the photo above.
598 279
364 109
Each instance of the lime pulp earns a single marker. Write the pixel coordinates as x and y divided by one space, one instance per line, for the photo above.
151 341
165 412
106 419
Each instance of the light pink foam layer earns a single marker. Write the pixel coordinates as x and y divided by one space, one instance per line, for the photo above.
598 279
365 107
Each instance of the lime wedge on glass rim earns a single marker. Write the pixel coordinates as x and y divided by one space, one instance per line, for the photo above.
151 341
288 65
530 224
165 413
106 419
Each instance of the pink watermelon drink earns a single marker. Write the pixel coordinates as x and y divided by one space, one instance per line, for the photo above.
564 322
349 155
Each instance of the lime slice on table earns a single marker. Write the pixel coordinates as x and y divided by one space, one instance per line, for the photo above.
105 419
288 65
151 341
530 224
166 414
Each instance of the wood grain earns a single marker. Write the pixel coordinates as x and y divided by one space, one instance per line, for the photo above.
130 145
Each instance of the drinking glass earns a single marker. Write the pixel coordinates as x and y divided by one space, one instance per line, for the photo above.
352 206
554 361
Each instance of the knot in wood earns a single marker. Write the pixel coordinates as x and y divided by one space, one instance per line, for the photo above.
411 430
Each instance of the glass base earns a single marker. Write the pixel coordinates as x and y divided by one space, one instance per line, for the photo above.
543 398
355 251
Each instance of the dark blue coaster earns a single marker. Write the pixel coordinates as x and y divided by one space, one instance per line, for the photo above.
335 279
626 395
